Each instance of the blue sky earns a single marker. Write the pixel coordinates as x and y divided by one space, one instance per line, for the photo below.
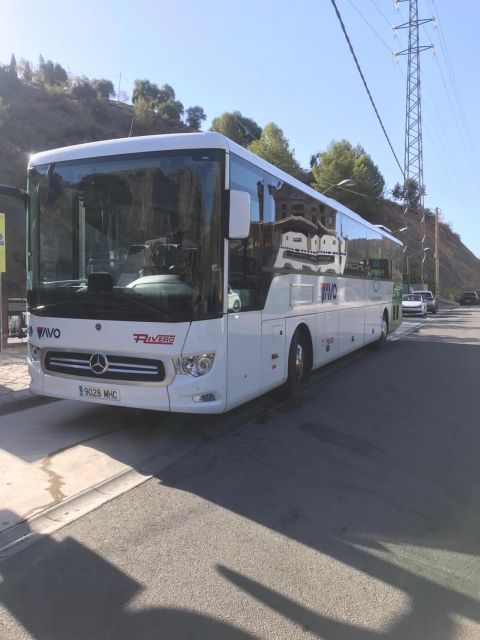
286 62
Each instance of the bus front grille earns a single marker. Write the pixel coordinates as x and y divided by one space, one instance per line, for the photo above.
100 366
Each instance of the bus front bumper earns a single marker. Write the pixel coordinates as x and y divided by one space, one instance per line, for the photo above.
184 394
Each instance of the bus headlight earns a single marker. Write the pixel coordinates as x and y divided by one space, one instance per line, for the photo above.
198 365
33 352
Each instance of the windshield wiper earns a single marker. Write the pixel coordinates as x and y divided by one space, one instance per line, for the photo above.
64 283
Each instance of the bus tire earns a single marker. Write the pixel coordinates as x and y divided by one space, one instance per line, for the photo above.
299 361
382 341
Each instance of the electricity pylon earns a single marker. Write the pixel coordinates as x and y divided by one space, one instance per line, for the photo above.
413 158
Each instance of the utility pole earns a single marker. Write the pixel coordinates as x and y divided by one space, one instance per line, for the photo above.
437 253
119 84
413 159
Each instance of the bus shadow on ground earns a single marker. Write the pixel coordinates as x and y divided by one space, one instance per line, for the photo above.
64 590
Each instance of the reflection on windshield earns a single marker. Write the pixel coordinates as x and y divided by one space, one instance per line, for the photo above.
149 221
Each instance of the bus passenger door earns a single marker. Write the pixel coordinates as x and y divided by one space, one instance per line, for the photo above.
273 354
244 356
245 291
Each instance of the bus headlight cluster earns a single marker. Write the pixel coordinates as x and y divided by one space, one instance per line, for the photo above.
198 365
33 352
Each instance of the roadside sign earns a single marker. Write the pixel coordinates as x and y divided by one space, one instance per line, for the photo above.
3 246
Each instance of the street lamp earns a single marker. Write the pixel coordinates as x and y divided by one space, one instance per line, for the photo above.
382 226
408 262
344 183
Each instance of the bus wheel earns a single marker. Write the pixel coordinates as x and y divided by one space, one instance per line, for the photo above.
298 364
381 342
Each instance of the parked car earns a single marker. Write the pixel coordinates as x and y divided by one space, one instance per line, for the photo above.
469 298
413 305
234 303
430 299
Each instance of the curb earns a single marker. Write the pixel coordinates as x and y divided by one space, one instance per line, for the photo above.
46 522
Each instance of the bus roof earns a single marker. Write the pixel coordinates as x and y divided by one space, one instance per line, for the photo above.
184 141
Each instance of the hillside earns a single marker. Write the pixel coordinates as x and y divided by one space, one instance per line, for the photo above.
459 267
33 119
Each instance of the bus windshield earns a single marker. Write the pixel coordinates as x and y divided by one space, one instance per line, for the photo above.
148 225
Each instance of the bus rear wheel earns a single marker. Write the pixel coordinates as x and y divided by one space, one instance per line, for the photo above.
298 364
382 341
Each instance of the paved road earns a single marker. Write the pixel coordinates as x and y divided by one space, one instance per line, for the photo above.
351 514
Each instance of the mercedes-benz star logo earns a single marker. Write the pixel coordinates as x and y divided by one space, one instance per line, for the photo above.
99 363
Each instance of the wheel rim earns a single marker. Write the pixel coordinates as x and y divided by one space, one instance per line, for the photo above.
384 329
299 362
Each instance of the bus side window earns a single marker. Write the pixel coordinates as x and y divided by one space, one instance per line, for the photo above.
375 254
245 256
354 234
299 232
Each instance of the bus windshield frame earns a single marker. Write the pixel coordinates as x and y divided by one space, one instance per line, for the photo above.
128 237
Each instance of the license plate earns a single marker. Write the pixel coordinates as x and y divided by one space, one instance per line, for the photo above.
98 393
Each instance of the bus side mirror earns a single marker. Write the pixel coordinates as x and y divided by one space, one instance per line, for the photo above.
239 222
14 192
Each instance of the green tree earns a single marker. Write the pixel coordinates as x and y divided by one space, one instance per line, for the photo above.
165 93
50 74
409 192
82 89
195 116
237 127
146 90
8 80
166 105
60 75
160 100
169 110
143 112
13 65
4 112
397 192
343 161
103 88
274 147
25 70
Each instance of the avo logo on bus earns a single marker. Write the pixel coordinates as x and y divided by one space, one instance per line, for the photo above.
328 291
159 339
47 332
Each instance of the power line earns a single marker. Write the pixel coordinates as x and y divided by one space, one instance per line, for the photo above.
365 83
245 128
454 84
443 138
371 26
382 14
461 138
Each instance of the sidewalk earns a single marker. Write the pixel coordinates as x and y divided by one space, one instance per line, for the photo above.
14 381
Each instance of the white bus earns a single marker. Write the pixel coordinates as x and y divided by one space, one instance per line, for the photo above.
183 273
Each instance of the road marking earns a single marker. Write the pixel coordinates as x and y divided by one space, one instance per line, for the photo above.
404 329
